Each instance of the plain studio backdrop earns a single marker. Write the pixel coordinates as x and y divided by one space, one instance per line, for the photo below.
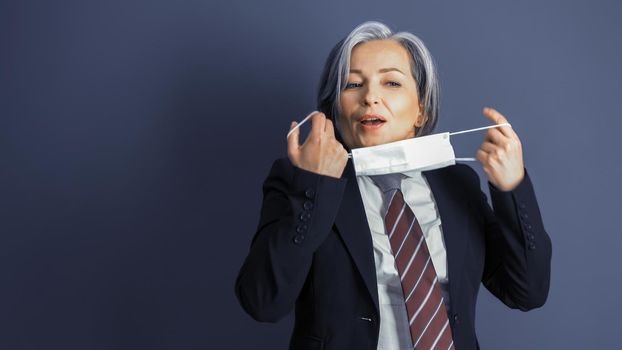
135 136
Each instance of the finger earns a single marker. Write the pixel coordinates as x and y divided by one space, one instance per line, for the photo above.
483 157
293 142
318 124
496 137
329 129
494 115
488 147
498 118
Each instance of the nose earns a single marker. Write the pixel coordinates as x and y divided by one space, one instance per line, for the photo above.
371 97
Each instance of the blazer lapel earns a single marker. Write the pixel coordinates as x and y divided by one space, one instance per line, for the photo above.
352 225
451 214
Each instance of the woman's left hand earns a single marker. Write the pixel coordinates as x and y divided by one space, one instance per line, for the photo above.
501 154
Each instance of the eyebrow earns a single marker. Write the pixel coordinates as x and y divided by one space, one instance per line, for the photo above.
381 70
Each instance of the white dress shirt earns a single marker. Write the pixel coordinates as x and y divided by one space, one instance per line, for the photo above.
394 327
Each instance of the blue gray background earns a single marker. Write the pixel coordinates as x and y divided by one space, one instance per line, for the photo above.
135 136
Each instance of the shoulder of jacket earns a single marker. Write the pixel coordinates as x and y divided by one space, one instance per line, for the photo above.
460 169
462 175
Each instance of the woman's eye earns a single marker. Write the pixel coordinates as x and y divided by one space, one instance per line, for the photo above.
394 83
352 85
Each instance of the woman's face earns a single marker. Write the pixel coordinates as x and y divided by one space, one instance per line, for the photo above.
380 103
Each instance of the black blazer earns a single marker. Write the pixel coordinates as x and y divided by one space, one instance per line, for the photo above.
313 251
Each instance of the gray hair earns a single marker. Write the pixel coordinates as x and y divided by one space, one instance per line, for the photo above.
423 69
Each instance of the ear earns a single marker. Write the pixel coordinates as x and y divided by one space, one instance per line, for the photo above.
421 118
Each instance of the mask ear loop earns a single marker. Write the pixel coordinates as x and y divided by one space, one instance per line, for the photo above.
304 121
301 122
476 129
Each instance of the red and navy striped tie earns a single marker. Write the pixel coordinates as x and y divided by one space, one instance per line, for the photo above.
425 307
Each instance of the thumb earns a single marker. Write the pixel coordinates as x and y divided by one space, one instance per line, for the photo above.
293 141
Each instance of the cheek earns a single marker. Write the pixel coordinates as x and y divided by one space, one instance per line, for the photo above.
346 112
406 108
347 104
348 127
405 103
344 126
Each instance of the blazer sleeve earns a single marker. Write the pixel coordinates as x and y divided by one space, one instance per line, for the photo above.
298 211
518 249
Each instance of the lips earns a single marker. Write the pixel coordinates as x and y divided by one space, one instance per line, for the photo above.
371 119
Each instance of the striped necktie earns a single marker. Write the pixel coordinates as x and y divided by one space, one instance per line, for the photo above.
427 316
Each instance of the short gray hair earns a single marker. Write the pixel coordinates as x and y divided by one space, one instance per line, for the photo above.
423 69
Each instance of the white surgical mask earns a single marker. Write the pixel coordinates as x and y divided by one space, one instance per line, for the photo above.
418 153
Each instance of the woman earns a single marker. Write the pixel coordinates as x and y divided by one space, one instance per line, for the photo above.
363 272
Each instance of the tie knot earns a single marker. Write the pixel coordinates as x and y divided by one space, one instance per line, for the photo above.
388 182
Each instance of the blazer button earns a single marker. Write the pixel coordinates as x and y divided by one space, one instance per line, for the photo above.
305 216
532 246
301 228
307 205
522 205
456 319
299 238
524 215
531 237
310 193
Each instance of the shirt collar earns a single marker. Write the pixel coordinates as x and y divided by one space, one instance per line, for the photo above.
412 173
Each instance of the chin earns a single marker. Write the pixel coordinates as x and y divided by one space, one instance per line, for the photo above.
372 142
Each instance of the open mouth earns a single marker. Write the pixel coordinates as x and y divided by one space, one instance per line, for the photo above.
372 121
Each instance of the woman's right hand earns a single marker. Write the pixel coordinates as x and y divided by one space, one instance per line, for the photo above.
321 153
